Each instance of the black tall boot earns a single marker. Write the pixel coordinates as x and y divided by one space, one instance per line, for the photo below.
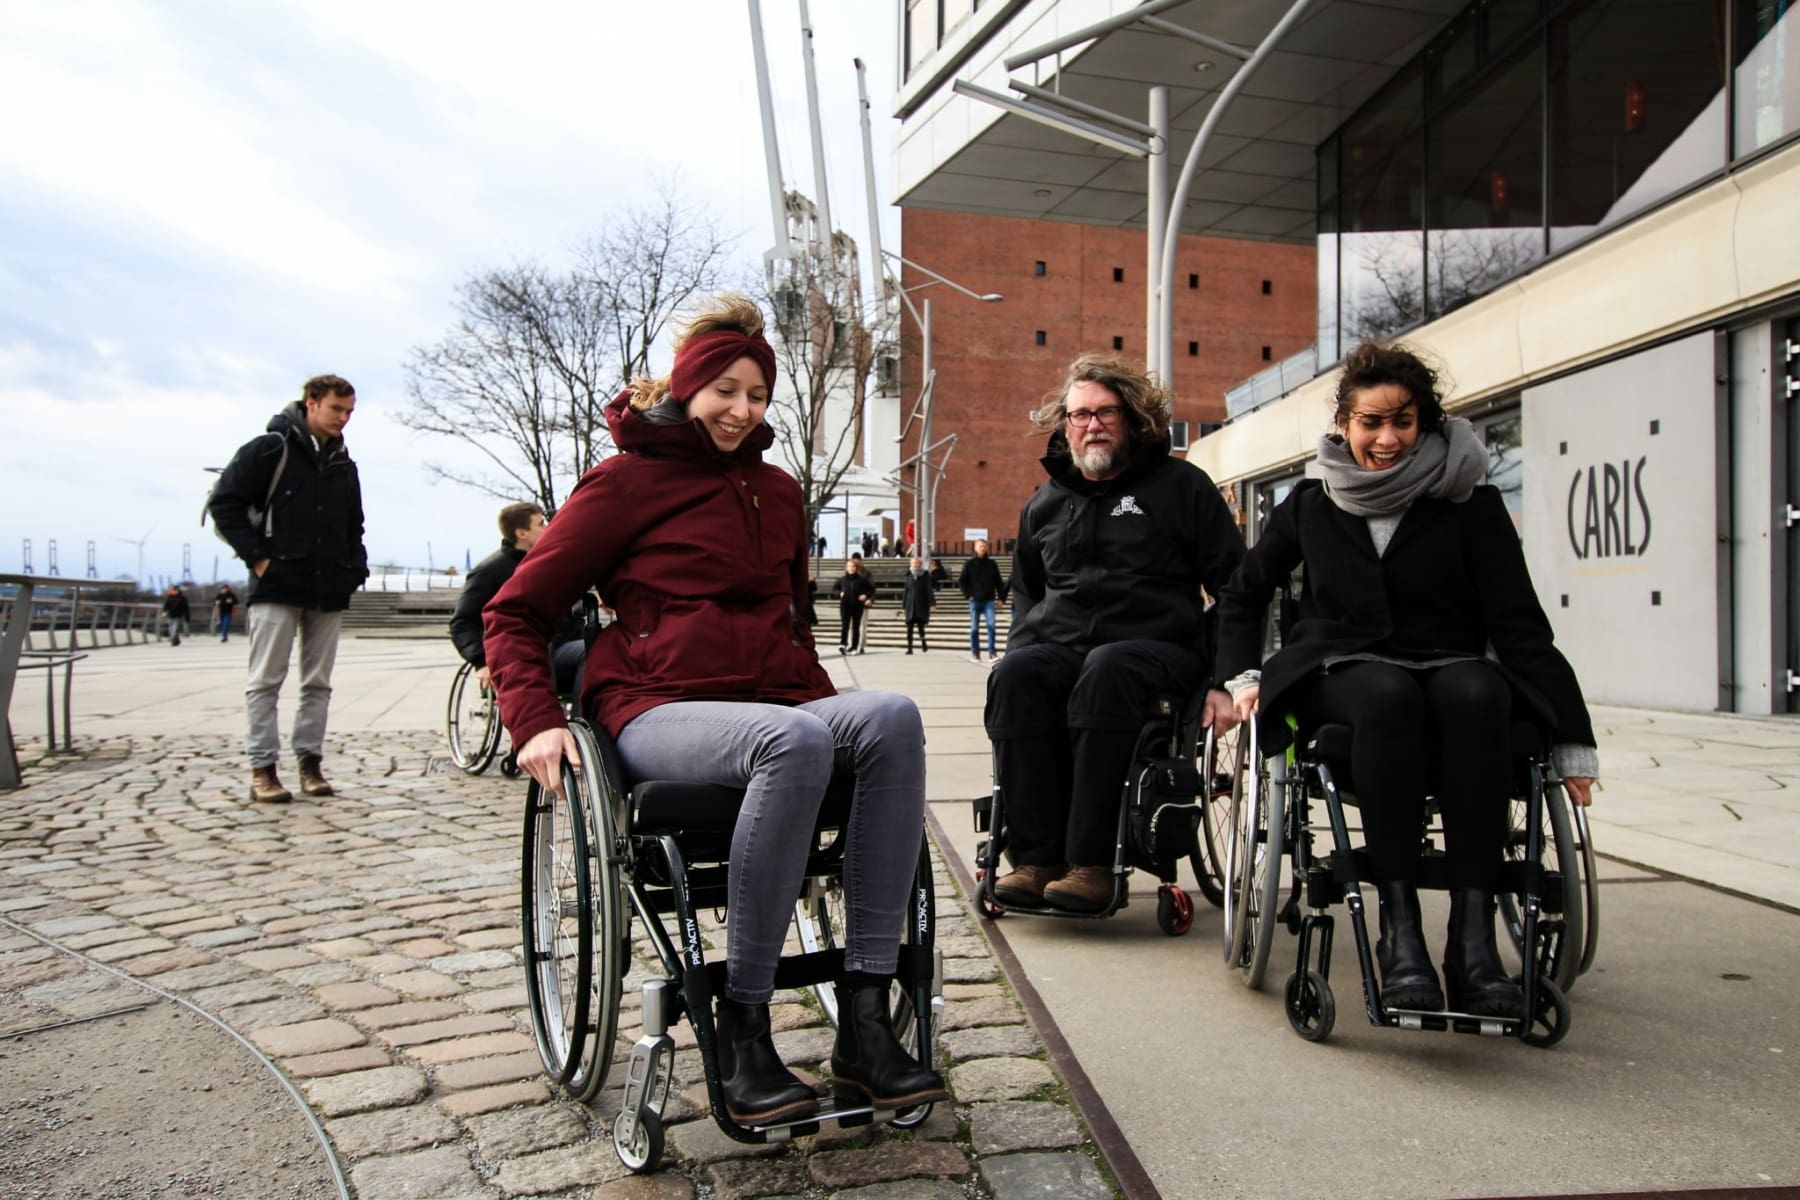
758 1089
1473 974
1407 980
869 1060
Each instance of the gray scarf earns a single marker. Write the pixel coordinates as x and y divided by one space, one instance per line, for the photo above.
1445 465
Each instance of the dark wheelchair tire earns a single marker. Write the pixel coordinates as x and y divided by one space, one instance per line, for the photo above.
1560 854
1174 910
471 723
604 805
1549 1024
1257 831
1211 849
1311 1008
557 927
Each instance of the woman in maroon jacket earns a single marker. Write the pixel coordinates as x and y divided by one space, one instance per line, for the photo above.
709 673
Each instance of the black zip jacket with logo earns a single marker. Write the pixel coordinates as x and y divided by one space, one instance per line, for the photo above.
1122 558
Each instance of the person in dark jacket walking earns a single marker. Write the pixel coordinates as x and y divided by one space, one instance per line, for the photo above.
290 504
1418 628
855 592
224 604
982 587
1108 613
919 599
709 674
175 614
520 527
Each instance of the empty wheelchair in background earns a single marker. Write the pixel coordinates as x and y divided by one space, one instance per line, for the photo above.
606 853
1547 892
1171 808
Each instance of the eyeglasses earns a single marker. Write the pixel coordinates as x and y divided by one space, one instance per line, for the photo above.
1081 418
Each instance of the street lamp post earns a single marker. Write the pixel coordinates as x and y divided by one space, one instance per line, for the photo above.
925 491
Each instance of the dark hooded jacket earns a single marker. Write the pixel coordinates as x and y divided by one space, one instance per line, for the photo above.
1121 558
313 534
702 556
485 580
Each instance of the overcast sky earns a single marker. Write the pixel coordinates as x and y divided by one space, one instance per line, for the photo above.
205 202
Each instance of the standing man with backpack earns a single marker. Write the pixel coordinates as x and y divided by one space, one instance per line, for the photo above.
290 506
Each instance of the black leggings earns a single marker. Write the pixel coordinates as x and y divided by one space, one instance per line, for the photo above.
1445 730
850 627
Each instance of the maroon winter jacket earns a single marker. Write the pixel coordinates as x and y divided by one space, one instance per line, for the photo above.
699 555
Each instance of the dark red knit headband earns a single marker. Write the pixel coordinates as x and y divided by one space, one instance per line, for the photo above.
704 357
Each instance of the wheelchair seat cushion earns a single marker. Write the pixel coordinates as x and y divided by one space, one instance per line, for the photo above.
1330 744
677 805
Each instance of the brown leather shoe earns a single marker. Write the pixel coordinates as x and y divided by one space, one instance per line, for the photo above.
311 781
1026 885
265 787
1083 889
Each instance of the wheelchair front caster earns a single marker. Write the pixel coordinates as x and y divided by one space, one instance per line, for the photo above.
1311 1009
1174 910
509 766
911 1118
989 908
639 1143
1550 1023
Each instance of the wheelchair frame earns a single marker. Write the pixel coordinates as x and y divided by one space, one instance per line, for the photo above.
472 749
1172 756
587 868
1548 884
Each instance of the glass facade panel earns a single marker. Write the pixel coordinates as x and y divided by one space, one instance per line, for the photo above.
921 31
954 12
1768 73
1486 185
1504 438
1326 257
1637 108
1381 267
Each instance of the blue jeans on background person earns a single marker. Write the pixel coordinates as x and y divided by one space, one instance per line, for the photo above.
978 609
224 627
783 758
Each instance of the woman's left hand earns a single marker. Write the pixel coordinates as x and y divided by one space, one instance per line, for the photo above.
1580 789
1219 715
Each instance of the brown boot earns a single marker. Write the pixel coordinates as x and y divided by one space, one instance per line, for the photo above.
1083 889
1026 885
265 787
311 781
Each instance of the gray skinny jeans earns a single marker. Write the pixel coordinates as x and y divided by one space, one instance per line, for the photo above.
783 759
272 630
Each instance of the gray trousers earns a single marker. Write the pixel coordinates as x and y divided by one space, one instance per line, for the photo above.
783 759
272 630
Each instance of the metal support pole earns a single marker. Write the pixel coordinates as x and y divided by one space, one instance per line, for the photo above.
925 510
818 143
771 152
1166 368
1159 226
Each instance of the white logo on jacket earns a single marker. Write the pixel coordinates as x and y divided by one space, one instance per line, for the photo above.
1127 505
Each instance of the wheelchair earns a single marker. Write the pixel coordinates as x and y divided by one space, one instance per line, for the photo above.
472 726
1548 893
1172 808
606 853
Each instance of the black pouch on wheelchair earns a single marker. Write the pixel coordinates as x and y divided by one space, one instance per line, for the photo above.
1163 820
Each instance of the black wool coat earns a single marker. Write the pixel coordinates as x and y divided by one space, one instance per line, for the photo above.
1452 583
920 594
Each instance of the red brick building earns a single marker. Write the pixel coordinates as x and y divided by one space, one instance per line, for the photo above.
1068 289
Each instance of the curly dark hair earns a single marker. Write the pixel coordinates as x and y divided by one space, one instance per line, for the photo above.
1373 364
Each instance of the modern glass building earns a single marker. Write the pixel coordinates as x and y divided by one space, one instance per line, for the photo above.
1587 211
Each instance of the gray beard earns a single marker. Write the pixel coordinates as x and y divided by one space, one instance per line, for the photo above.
1100 459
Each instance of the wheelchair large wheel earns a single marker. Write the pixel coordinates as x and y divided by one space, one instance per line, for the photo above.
1590 890
1560 855
606 805
471 722
558 926
1213 756
1254 890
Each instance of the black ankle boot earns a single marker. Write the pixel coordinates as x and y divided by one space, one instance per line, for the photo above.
1407 980
758 1089
869 1061
1473 974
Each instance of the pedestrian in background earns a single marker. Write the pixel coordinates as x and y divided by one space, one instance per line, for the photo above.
290 504
981 585
919 599
175 614
855 592
224 605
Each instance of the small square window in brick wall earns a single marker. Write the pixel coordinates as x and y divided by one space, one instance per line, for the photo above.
1193 349
1193 281
1039 268
1118 274
1118 343
1267 354
1268 287
1042 339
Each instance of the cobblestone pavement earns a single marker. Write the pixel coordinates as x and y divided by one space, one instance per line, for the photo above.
368 943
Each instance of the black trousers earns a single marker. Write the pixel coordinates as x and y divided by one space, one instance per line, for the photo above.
920 626
1443 730
850 627
1064 726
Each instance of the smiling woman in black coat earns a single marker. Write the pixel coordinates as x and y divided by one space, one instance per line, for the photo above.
1419 628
